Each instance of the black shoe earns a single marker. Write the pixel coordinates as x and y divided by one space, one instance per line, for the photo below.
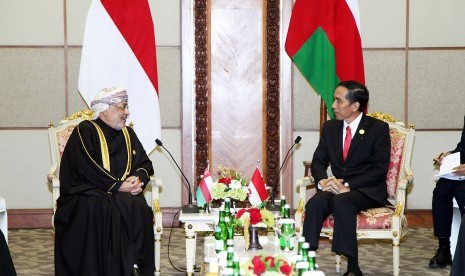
136 272
441 259
350 273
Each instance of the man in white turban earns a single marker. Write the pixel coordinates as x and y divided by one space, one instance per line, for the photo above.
103 225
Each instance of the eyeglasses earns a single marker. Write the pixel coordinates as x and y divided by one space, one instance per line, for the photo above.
122 107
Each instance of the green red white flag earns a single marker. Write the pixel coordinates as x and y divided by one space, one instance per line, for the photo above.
324 43
119 51
203 193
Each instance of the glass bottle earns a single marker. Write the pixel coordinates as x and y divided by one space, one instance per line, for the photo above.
221 233
227 207
282 202
300 268
230 258
229 227
229 243
236 266
300 241
312 260
287 233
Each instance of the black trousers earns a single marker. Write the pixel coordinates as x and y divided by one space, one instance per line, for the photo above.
345 207
6 263
458 266
443 194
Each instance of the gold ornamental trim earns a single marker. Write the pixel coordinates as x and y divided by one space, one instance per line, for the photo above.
127 138
90 157
156 206
384 117
103 147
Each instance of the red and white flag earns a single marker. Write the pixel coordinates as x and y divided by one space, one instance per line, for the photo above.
257 190
119 51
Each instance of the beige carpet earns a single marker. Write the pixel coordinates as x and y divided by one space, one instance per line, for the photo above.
32 252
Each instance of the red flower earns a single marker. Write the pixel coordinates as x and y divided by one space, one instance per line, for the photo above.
240 213
255 217
285 269
271 260
225 180
258 265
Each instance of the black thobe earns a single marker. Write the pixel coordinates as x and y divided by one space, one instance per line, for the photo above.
98 230
7 267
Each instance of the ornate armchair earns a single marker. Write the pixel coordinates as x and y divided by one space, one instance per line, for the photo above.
58 137
387 222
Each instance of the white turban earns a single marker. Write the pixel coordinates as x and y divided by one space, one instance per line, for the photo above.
106 97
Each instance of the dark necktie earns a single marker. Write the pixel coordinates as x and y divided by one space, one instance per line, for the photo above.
347 142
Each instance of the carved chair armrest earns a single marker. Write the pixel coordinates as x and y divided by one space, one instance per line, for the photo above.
156 184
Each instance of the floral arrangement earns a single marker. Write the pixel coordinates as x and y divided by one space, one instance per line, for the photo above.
255 217
230 184
262 265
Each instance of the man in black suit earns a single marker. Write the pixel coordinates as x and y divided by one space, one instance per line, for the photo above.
359 166
443 194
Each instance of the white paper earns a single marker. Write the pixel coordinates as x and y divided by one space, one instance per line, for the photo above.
448 163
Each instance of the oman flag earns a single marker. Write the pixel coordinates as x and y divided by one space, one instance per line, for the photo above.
324 43
257 189
119 51
203 193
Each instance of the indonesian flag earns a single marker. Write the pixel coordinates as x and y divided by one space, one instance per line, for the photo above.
324 43
203 193
119 51
257 190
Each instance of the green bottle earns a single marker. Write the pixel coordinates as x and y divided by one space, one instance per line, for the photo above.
230 258
236 266
229 243
221 233
301 268
312 260
227 207
230 227
286 239
281 204
300 241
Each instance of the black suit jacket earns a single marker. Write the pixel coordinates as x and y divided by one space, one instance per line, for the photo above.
461 145
367 162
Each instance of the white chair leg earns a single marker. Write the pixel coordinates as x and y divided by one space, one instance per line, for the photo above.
395 258
338 263
157 254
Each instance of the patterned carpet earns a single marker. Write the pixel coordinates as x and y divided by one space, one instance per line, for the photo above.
32 252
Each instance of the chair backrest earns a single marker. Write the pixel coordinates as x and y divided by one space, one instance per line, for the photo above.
58 136
401 152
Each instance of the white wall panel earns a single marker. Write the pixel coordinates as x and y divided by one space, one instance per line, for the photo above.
437 23
166 170
383 23
25 163
31 22
166 15
76 13
31 86
436 89
385 79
